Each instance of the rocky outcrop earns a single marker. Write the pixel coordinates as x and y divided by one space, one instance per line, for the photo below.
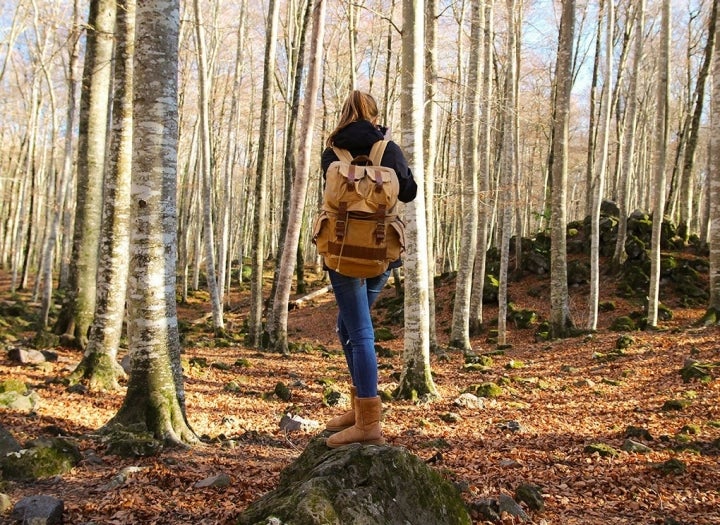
358 484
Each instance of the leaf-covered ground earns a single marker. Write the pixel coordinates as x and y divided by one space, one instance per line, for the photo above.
558 397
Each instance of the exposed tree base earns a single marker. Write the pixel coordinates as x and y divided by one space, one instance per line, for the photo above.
458 344
161 416
711 317
415 385
71 334
98 371
476 328
563 331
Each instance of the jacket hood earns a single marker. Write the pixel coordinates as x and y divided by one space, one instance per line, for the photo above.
358 135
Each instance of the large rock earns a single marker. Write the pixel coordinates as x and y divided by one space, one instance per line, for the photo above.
26 356
358 485
39 510
7 442
20 402
43 458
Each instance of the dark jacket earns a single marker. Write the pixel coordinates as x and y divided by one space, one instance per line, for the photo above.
358 138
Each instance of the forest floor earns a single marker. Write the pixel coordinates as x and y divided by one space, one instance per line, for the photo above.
564 394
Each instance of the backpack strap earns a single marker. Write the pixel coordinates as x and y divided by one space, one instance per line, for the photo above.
377 152
343 155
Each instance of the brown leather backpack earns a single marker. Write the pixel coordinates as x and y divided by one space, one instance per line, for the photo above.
358 231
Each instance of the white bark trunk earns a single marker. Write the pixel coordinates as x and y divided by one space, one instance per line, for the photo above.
300 184
598 188
659 163
416 375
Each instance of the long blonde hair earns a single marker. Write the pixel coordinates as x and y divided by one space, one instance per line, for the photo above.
358 106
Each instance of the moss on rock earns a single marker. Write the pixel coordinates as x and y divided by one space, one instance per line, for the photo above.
373 485
13 385
43 459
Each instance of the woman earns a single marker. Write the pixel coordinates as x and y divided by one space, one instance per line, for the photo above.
356 132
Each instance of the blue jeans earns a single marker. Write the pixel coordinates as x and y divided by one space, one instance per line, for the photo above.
354 297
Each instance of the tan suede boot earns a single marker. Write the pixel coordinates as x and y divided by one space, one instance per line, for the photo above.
366 429
345 420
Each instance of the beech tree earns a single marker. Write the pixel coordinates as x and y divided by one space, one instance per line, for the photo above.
628 145
155 398
485 201
460 330
278 331
712 315
430 150
508 164
598 180
206 170
45 276
416 379
261 197
686 190
99 364
560 320
77 312
660 144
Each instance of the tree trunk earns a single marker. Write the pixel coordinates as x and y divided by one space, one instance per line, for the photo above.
261 176
430 150
416 379
560 321
592 127
712 315
659 162
207 173
289 165
598 186
628 145
460 329
46 270
99 364
77 313
299 189
228 208
686 183
155 397
508 167
485 201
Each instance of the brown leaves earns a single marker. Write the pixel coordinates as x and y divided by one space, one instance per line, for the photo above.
562 399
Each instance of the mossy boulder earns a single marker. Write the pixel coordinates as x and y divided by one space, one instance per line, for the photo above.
372 485
640 223
578 272
635 280
491 288
521 317
623 324
282 391
602 449
44 458
624 341
7 442
13 385
693 369
676 404
487 389
537 263
21 402
635 248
